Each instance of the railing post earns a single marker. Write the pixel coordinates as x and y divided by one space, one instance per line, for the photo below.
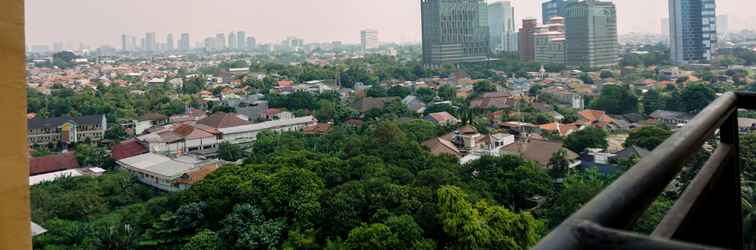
729 189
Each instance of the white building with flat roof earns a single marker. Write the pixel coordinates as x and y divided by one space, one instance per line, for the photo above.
248 133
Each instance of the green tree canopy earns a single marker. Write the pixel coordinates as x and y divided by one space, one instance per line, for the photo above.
483 226
615 99
590 137
648 137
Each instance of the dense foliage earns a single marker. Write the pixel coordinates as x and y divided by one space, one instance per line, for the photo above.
587 138
353 188
648 137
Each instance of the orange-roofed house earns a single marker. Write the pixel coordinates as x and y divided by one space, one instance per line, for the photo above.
285 83
442 119
317 129
560 128
596 118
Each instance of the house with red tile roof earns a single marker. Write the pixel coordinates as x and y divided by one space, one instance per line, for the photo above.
560 128
127 149
191 178
596 118
442 119
317 129
52 163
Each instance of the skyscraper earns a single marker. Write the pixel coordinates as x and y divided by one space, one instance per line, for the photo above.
133 43
501 23
553 8
125 42
210 43
232 41
591 27
454 31
251 43
369 39
150 44
220 41
550 42
241 40
693 30
169 45
526 46
184 43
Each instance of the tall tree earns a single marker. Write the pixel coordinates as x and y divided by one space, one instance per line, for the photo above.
697 96
481 225
590 137
648 137
615 99
652 101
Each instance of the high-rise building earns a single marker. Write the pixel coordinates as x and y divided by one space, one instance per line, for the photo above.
526 46
125 42
501 24
57 47
723 24
665 27
591 27
241 40
454 31
693 30
550 42
251 43
150 44
133 43
169 45
184 43
232 41
220 41
553 8
369 39
210 43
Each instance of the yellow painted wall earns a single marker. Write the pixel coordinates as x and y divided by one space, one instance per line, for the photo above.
15 230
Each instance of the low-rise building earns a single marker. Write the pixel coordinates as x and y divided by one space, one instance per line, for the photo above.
66 129
442 119
497 100
149 120
248 133
366 104
596 118
254 110
182 139
541 152
414 104
52 163
671 118
168 174
563 96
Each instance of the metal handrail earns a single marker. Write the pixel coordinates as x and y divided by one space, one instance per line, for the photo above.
620 204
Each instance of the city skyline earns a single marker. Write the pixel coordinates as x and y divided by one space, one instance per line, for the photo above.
312 20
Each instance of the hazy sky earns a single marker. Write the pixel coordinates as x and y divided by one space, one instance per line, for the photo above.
101 22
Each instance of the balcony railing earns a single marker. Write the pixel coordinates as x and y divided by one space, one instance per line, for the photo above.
708 214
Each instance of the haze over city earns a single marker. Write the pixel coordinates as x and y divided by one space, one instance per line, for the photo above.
101 22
